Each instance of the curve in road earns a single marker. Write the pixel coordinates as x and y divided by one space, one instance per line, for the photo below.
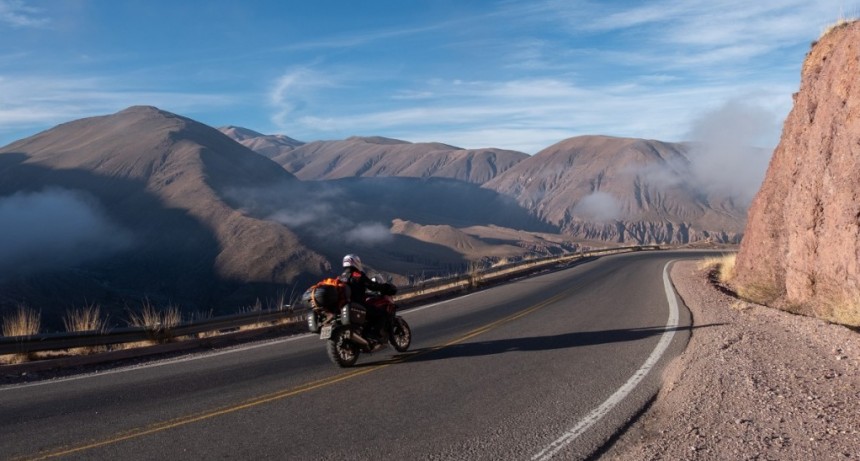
532 369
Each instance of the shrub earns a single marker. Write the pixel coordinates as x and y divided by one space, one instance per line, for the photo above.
88 318
153 319
723 267
23 322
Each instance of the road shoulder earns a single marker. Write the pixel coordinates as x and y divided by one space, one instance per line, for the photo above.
753 383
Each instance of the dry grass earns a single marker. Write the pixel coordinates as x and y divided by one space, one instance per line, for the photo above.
723 265
759 293
88 318
844 310
154 319
475 274
22 322
842 21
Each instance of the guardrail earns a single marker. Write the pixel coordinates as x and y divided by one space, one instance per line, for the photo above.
63 341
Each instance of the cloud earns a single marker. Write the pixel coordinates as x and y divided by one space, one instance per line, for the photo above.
312 208
55 229
727 156
369 234
599 206
17 14
41 101
292 90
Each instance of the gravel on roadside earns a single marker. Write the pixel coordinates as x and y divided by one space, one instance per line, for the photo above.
754 383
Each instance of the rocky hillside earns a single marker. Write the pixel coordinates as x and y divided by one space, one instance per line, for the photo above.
159 180
620 190
267 145
377 156
802 243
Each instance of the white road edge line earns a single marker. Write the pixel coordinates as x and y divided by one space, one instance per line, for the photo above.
598 413
198 357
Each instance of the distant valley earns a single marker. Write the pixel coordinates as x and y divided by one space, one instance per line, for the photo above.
168 209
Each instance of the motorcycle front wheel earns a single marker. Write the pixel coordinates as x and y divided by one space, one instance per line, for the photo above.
340 350
401 335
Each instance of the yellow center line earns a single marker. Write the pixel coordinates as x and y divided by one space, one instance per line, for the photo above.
279 395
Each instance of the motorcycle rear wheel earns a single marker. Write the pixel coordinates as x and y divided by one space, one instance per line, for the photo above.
341 351
401 335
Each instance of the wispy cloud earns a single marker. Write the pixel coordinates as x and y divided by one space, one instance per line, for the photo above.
41 101
365 37
292 90
16 13
529 114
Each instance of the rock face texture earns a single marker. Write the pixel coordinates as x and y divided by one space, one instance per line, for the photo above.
801 249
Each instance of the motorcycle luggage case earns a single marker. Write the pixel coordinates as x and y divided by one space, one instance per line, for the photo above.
353 314
313 323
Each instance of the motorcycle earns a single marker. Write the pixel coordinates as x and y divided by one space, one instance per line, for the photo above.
345 326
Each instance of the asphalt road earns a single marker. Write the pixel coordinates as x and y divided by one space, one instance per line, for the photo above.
545 367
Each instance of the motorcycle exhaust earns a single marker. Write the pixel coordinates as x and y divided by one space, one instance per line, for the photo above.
358 339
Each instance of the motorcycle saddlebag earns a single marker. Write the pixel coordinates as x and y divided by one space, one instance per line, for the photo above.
313 322
353 314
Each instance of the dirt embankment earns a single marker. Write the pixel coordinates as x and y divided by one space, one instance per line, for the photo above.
754 383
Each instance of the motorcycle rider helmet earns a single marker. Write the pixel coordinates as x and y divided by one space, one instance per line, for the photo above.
352 261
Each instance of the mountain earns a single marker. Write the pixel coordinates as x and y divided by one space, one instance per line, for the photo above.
361 215
801 251
146 204
159 180
267 145
622 190
378 156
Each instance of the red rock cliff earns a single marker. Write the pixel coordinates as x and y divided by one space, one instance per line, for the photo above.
801 249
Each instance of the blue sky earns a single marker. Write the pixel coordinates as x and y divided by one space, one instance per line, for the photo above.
516 75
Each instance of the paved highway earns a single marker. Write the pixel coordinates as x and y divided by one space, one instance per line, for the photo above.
543 368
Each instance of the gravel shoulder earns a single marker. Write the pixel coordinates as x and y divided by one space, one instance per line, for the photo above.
753 383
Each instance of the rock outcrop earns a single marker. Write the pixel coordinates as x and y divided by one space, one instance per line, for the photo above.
801 249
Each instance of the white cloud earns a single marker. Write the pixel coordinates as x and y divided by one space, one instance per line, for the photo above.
598 206
42 101
17 13
368 234
292 90
725 159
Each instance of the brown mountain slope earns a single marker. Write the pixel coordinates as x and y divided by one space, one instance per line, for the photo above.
619 189
377 156
453 238
268 145
161 178
801 250
355 215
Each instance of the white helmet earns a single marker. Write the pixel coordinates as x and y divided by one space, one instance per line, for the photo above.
352 261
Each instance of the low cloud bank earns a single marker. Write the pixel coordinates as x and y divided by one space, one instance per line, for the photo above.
317 208
54 229
730 151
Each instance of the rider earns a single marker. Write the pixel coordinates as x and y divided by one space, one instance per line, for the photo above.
359 283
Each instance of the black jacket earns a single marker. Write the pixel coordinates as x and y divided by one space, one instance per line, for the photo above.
358 283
